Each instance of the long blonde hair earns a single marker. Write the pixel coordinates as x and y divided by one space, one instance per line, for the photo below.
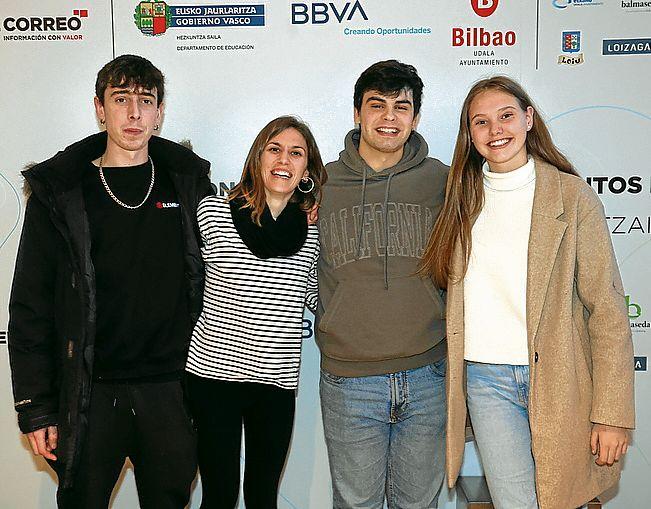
464 195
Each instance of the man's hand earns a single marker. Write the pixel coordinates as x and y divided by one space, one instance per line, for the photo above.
44 441
608 443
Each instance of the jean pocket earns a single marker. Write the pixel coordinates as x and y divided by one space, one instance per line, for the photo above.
333 379
438 367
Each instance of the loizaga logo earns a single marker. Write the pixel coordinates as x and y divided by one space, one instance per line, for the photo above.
45 23
484 8
320 13
155 18
626 47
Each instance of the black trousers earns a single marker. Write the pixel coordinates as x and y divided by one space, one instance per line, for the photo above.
220 408
149 424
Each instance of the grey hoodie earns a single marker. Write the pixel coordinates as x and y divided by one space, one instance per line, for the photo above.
374 315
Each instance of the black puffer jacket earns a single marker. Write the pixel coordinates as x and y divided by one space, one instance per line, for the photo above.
52 304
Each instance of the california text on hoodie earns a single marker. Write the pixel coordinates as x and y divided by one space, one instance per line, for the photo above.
375 316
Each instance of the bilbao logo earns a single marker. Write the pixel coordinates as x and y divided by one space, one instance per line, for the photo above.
45 23
616 184
479 36
155 18
320 13
484 8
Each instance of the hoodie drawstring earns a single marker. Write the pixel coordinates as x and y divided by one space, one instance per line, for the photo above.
361 215
386 232
386 224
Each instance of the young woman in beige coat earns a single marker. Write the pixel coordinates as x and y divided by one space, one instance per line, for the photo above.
539 344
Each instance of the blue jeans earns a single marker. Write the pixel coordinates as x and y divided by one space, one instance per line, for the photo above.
385 435
498 398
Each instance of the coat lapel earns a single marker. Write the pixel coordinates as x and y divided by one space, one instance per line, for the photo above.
545 237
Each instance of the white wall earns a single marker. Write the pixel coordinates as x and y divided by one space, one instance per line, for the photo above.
219 97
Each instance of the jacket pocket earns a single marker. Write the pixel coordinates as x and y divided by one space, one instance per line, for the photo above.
366 322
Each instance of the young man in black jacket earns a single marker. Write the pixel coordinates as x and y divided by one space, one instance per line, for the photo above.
107 287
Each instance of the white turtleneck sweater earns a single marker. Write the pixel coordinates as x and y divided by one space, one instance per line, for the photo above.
495 286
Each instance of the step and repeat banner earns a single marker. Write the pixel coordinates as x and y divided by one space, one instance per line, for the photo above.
233 66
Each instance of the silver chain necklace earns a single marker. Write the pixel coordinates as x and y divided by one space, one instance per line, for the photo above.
115 198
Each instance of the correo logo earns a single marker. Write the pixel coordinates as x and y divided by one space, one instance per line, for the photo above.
46 23
484 8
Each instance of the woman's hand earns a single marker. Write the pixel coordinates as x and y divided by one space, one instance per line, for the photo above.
608 443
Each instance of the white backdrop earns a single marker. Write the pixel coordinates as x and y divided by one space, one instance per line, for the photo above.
227 75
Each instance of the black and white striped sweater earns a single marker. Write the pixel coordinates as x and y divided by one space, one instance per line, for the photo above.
250 328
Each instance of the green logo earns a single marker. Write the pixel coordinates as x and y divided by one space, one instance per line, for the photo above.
634 310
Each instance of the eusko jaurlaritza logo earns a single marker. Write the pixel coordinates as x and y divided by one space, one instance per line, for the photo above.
152 18
155 18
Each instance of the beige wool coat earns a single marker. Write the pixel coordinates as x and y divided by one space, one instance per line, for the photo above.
579 339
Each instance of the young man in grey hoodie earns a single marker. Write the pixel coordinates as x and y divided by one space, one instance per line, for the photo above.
380 328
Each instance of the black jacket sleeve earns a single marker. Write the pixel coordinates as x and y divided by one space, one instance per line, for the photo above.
32 333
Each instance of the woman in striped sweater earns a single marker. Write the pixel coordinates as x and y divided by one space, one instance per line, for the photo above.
260 256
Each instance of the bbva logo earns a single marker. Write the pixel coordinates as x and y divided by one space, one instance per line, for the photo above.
319 13
484 8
